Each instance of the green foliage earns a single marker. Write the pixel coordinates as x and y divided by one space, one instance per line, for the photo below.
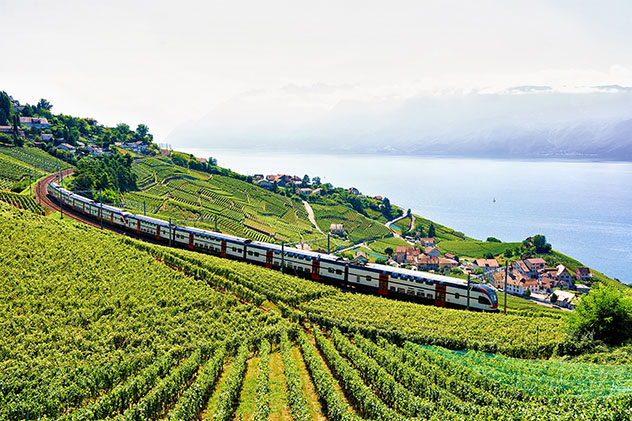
493 240
431 231
541 246
295 397
195 397
457 329
229 395
473 248
101 310
107 172
5 139
21 202
605 314
324 383
6 109
262 396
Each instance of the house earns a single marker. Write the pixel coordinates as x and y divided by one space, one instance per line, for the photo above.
265 184
406 254
426 242
337 229
46 137
281 180
94 150
535 264
353 190
305 191
9 131
361 257
445 262
202 160
486 264
66 147
318 191
378 198
91 121
547 285
432 251
452 256
36 122
522 267
80 144
564 299
427 263
137 147
564 276
517 282
400 254
584 289
583 274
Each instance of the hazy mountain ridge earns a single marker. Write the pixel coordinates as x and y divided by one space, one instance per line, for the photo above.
521 122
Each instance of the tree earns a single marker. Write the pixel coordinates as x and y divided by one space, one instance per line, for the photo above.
388 251
5 139
508 253
387 211
305 181
605 314
431 230
553 298
43 104
493 240
527 292
316 181
6 108
541 246
489 255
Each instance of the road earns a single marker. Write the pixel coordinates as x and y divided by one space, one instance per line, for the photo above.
395 234
310 215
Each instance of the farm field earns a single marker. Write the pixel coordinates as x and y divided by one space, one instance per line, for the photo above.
127 330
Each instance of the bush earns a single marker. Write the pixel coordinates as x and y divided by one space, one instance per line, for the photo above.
493 240
605 314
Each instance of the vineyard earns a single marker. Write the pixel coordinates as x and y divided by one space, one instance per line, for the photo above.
357 227
21 202
13 170
36 158
98 326
240 208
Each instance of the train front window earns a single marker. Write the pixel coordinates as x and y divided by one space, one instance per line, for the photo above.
483 300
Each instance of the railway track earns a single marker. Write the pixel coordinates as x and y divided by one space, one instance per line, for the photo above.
41 193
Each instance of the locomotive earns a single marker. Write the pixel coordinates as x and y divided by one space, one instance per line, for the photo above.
411 285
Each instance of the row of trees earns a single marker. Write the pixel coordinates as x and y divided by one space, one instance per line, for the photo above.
110 174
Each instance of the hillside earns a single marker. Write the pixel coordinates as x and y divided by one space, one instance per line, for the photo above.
98 325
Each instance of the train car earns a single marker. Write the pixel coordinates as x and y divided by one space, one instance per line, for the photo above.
430 288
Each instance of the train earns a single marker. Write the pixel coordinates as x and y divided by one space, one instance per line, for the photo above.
387 281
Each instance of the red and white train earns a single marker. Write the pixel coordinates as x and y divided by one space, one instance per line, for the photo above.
429 288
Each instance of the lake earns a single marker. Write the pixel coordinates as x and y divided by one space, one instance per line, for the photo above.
583 208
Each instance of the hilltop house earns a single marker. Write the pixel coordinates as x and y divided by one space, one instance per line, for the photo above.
583 274
487 265
337 229
535 264
361 257
432 251
66 147
426 242
427 263
564 299
36 122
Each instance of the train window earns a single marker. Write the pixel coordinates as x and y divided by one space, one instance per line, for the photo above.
392 288
250 253
338 272
256 254
411 292
368 278
358 278
429 295
457 296
483 300
420 294
331 270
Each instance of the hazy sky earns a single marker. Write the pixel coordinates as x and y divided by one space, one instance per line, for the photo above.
166 62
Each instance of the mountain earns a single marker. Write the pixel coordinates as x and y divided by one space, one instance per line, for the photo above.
520 122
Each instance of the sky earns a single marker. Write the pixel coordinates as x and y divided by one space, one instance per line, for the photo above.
166 63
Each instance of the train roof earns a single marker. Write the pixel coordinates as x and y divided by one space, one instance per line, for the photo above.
149 219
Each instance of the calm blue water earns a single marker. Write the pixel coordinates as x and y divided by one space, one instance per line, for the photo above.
583 208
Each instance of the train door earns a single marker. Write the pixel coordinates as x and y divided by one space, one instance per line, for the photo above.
440 295
269 258
316 270
223 249
158 232
190 241
383 284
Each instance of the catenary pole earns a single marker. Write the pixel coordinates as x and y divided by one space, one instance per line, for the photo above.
468 291
505 288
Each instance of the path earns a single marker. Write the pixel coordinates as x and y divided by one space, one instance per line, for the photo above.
310 215
395 234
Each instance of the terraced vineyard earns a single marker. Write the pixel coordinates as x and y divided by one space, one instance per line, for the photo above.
356 226
21 202
126 330
35 157
13 170
240 208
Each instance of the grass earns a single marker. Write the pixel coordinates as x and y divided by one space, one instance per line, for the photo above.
313 402
211 405
249 387
279 409
473 248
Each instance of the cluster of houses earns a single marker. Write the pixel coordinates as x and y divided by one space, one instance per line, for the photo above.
90 147
427 258
533 276
136 147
